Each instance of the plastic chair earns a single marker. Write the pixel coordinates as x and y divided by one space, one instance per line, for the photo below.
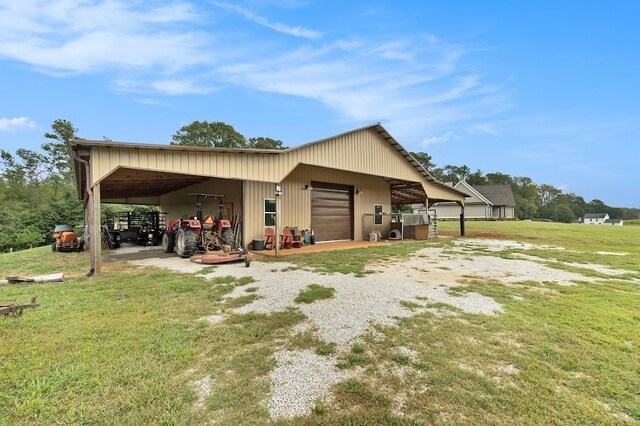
286 238
269 235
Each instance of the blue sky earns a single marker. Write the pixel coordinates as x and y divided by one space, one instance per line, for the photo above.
546 89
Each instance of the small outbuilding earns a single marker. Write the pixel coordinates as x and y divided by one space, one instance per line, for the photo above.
595 218
328 185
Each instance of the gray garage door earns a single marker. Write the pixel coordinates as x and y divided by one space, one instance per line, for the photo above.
332 211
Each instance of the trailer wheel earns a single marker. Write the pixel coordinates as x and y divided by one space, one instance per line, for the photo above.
168 242
185 242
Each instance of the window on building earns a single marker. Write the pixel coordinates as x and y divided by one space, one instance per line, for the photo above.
377 210
269 212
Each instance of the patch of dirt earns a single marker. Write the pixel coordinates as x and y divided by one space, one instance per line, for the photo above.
213 319
491 267
611 253
173 263
203 390
501 245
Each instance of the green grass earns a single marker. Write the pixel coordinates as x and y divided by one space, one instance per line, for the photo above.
355 261
124 347
315 292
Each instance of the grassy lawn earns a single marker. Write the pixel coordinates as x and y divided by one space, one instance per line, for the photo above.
126 347
315 292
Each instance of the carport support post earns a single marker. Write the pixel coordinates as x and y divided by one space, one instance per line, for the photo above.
461 204
96 234
276 238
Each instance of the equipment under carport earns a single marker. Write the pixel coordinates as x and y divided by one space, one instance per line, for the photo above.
213 258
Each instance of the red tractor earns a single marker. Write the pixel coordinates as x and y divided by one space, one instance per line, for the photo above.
189 235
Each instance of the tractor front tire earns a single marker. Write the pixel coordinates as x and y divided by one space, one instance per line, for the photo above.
185 242
53 246
227 237
168 242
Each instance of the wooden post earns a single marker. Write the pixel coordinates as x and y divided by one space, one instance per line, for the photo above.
461 218
276 238
96 233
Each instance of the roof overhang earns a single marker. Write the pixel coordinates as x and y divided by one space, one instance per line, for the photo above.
151 183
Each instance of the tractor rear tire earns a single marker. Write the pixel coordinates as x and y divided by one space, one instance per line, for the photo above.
185 242
168 242
227 237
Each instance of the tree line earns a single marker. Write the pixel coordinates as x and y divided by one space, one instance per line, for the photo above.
533 200
37 187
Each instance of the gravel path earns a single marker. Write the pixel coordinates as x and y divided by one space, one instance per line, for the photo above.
501 245
300 379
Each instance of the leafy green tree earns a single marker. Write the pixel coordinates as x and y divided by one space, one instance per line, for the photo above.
476 178
597 206
29 236
58 149
525 191
265 143
37 192
456 173
209 134
564 213
497 178
424 159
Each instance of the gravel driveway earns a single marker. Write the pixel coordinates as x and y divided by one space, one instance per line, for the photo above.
301 377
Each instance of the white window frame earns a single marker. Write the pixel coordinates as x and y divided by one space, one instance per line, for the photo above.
265 212
377 215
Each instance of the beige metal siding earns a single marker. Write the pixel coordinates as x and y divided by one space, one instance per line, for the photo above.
179 203
364 152
295 202
254 194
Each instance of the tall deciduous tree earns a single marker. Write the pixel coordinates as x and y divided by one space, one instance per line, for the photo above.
456 173
209 134
36 192
265 143
424 159
59 148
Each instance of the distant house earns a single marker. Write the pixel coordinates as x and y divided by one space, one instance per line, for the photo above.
484 202
596 218
614 222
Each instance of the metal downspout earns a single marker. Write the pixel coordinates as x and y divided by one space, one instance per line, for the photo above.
87 214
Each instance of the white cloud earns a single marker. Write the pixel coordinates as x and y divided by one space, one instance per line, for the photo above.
276 26
78 36
422 87
180 87
415 84
165 87
16 124
437 139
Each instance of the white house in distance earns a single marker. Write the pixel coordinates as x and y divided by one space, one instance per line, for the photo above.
596 218
614 222
484 202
